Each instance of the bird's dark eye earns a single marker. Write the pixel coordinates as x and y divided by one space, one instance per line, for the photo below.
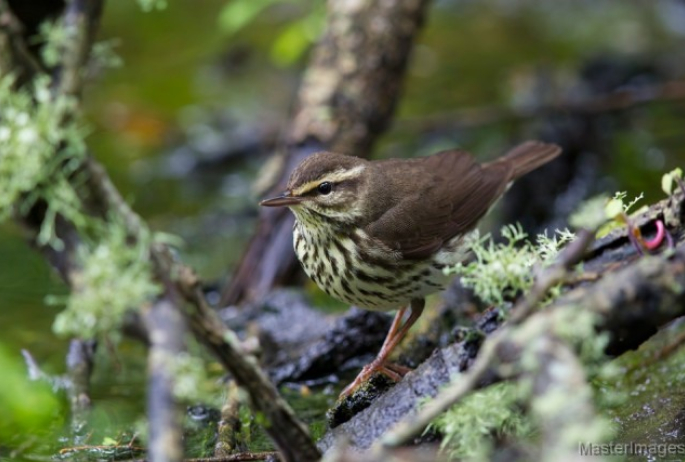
325 188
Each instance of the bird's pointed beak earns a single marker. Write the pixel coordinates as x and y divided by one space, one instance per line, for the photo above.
286 199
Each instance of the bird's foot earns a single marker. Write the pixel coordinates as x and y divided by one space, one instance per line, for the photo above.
394 371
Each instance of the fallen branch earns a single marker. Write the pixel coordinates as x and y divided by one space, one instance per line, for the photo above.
240 457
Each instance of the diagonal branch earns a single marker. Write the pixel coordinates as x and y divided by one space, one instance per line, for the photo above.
100 199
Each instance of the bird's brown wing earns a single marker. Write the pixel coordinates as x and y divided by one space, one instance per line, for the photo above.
451 192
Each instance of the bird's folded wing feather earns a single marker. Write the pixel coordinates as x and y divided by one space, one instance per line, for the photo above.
450 193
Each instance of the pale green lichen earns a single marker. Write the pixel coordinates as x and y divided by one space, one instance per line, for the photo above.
469 427
42 143
43 147
103 54
115 276
53 37
192 384
501 271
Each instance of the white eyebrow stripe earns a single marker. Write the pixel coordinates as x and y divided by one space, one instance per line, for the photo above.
334 177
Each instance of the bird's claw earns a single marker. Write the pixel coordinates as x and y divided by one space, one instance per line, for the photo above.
394 371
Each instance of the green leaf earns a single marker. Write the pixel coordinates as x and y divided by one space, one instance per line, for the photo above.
290 45
238 13
27 406
668 179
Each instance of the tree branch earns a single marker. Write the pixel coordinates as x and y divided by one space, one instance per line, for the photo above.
81 20
100 199
166 330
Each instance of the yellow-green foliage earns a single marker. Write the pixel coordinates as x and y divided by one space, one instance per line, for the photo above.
469 427
616 211
151 5
669 179
115 276
53 36
27 407
500 271
292 42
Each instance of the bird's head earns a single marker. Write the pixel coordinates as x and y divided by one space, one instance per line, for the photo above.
325 186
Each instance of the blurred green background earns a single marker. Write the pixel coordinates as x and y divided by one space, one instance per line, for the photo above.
201 78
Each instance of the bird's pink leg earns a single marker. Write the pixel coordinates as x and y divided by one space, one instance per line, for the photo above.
397 332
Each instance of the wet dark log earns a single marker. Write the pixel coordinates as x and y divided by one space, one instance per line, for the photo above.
346 101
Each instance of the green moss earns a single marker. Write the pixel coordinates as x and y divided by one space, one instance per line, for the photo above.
469 427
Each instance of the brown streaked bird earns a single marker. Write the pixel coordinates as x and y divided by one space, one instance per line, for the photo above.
378 234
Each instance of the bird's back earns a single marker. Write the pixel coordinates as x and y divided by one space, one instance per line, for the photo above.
423 203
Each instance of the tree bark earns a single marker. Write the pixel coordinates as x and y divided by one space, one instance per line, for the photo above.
346 101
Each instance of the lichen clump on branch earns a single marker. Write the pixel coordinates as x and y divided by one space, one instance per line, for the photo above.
115 276
42 143
501 271
41 160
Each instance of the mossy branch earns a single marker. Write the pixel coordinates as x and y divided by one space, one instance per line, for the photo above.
98 203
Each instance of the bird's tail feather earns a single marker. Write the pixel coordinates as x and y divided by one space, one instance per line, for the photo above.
528 156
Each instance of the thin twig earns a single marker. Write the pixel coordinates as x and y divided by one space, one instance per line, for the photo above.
81 20
555 274
79 369
412 426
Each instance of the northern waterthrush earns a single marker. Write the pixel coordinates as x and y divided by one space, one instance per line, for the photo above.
378 234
